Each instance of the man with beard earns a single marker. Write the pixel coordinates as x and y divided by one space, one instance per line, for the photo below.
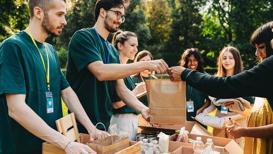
93 67
31 86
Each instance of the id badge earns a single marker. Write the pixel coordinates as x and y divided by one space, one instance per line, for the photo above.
224 110
190 106
49 102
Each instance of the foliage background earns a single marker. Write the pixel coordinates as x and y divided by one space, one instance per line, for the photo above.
165 27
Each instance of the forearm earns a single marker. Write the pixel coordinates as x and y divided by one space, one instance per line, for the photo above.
259 132
117 71
74 105
128 97
253 82
24 115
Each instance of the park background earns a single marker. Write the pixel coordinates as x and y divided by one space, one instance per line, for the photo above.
164 27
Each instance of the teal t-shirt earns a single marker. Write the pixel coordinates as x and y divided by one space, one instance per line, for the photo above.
137 79
198 99
85 47
126 109
22 72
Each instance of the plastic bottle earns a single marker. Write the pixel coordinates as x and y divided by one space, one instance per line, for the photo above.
209 147
183 135
156 147
144 146
198 146
150 148
163 142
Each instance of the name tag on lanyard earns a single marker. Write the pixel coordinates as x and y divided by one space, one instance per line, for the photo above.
49 102
224 109
190 106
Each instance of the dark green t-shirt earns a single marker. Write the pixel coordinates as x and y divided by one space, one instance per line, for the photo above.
126 109
85 47
198 99
22 72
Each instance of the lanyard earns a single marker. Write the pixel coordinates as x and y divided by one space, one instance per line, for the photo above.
190 99
46 68
106 57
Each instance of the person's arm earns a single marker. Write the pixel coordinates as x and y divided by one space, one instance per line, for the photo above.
71 100
26 117
253 82
119 71
130 99
256 132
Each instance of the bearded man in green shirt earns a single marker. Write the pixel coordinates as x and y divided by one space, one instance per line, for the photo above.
94 70
32 85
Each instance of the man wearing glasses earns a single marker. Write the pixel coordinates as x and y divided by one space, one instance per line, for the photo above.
93 67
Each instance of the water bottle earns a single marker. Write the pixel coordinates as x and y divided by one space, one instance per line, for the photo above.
156 147
144 146
198 146
209 147
150 148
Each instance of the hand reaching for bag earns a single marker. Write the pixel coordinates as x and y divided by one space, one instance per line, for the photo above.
175 72
146 114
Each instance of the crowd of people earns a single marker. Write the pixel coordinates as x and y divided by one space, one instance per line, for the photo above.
101 86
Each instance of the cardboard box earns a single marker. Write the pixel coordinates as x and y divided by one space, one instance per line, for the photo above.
222 145
192 127
180 148
196 128
134 148
110 145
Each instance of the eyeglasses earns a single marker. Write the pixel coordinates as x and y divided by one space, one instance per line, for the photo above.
119 15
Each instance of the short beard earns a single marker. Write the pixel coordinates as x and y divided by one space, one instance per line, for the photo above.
46 25
108 27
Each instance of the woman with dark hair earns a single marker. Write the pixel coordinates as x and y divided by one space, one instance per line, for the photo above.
195 99
253 82
192 59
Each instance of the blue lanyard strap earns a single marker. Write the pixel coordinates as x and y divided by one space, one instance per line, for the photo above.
106 58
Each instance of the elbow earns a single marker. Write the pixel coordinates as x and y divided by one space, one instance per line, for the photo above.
12 113
100 76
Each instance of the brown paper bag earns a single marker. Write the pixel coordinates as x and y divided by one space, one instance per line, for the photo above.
167 101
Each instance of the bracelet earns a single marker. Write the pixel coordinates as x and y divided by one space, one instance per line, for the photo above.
67 144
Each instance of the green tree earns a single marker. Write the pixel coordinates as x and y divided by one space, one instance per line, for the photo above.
80 15
14 17
185 29
136 22
239 19
158 13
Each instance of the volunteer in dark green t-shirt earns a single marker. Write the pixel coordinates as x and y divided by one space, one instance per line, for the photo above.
31 86
124 118
196 99
92 69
